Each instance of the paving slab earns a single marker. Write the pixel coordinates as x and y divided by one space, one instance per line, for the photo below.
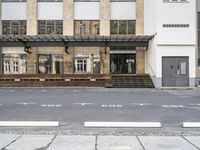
118 143
165 143
31 142
6 139
73 143
194 140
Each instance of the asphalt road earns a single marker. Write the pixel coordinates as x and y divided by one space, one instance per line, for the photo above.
73 106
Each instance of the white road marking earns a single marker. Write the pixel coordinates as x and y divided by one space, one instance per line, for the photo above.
191 124
173 106
123 124
43 90
26 103
1 104
51 105
111 106
83 104
141 104
29 123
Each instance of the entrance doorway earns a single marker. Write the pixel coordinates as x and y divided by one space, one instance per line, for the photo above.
175 71
122 64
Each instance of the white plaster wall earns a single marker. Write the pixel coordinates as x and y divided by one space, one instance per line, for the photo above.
14 11
50 11
150 17
123 10
86 11
176 51
177 13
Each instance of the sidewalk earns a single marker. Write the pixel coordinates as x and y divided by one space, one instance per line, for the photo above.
80 142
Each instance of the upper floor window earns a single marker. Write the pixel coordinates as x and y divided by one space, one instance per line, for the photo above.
122 27
86 27
14 27
50 27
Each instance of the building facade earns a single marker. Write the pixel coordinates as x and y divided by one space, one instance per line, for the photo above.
101 38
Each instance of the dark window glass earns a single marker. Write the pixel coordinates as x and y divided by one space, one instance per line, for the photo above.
113 27
86 27
131 27
14 27
122 27
6 27
50 27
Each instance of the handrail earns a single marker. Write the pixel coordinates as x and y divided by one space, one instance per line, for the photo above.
151 69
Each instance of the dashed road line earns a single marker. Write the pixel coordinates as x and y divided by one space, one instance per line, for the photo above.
51 105
83 104
112 106
141 104
26 103
173 106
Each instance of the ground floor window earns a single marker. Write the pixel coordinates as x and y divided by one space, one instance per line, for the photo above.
14 63
87 64
122 63
81 65
50 64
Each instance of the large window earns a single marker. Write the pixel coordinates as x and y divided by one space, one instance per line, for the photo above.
14 63
86 27
122 27
14 27
50 27
50 64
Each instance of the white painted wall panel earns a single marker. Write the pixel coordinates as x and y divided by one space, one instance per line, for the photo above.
86 11
177 13
123 10
14 11
50 11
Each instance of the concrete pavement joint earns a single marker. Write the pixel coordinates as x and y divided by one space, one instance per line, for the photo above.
140 143
4 148
46 147
190 142
96 140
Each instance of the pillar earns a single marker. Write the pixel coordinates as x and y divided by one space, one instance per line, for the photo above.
105 60
31 17
140 55
31 61
69 61
105 17
68 17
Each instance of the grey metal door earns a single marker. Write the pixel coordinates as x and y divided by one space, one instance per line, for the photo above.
175 71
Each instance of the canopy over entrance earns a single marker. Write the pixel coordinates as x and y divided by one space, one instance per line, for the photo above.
74 41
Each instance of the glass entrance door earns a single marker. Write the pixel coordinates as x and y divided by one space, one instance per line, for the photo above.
122 64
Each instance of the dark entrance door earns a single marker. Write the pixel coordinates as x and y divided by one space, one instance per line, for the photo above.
175 71
122 63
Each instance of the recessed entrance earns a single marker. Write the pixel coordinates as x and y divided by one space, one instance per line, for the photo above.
122 64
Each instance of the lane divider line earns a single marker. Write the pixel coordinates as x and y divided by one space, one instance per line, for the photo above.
123 124
191 124
29 123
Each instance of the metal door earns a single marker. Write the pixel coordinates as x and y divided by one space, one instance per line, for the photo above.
175 72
